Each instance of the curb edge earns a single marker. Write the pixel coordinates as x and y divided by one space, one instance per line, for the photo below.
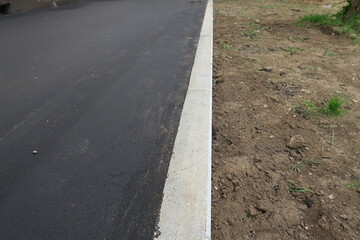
186 207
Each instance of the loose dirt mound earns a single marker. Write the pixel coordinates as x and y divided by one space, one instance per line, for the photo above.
281 168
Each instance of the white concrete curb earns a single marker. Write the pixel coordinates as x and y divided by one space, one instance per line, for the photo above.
186 208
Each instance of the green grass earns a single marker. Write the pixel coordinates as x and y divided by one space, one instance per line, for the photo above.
325 19
293 188
253 30
225 46
311 76
355 184
355 41
292 49
334 107
273 6
295 167
331 54
312 161
350 26
332 138
310 108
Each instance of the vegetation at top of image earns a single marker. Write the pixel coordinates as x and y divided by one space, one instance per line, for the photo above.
334 106
347 20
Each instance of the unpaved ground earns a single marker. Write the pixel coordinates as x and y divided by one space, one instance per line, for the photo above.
264 68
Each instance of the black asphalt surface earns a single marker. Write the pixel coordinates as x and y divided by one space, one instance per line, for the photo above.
97 90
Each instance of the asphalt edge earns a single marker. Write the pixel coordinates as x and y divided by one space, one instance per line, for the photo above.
186 207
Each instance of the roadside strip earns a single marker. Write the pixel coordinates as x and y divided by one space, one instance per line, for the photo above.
186 208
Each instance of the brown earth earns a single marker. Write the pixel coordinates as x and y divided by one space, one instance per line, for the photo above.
281 170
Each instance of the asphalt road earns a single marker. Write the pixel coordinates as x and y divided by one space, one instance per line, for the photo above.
97 90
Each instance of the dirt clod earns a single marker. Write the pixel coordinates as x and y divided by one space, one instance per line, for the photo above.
296 142
264 206
267 69
252 211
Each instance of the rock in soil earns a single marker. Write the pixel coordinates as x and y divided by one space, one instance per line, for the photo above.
296 142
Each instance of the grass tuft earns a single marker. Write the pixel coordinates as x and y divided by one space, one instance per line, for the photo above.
334 107
295 167
349 26
325 19
310 108
312 161
293 188
225 46
253 30
355 184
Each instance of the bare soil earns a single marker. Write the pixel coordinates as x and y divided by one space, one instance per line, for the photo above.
281 171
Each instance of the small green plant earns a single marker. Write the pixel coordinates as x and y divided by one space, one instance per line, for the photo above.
252 33
304 39
332 138
331 54
265 6
312 161
292 49
271 6
225 46
310 108
355 41
294 188
253 30
311 76
334 107
295 167
355 184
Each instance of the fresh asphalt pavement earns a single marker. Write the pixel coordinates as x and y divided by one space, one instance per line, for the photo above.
90 100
